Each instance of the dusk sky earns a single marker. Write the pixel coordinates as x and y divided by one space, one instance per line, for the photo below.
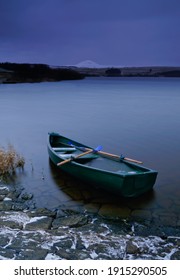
108 32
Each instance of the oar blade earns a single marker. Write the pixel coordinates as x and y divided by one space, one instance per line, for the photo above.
98 148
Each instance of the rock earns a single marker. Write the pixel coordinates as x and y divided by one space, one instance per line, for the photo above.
114 211
5 205
175 241
26 196
4 190
18 206
4 240
82 255
39 223
64 243
14 194
70 254
16 244
2 197
13 220
70 221
12 224
63 254
100 250
7 254
131 247
40 254
60 213
92 207
42 212
175 255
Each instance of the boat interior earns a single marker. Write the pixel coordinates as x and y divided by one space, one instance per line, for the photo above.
98 161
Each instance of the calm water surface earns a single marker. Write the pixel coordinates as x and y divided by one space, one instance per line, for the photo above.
139 118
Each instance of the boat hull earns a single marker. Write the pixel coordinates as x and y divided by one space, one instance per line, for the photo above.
131 183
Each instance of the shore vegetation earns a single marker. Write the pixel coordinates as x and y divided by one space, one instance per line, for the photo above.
10 159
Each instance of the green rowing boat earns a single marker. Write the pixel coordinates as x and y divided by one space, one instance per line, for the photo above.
112 173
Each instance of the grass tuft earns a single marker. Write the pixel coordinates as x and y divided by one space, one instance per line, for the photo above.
10 160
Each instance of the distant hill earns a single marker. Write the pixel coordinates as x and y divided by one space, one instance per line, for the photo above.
89 64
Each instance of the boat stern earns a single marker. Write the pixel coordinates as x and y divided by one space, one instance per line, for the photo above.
139 184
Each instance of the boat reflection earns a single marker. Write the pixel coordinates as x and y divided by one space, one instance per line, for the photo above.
96 200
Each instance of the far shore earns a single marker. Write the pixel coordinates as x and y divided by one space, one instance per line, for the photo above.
34 73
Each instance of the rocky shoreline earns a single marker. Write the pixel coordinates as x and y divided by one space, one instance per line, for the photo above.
28 233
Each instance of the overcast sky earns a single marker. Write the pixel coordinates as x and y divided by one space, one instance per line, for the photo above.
109 32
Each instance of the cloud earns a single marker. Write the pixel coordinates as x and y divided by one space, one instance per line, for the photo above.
68 31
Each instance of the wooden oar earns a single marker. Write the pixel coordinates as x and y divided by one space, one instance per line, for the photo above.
119 157
80 155
108 154
132 160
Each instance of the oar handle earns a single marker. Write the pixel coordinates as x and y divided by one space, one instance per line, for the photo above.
78 156
133 160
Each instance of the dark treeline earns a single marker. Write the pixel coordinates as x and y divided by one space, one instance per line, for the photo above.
174 73
113 72
23 72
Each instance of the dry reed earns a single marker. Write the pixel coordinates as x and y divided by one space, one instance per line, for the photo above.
10 160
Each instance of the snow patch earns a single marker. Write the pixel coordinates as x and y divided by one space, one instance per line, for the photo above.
52 257
18 217
93 255
88 64
4 188
7 199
